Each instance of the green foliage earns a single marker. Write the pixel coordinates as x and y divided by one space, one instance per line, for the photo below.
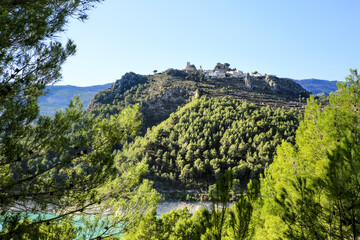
209 136
173 225
235 222
343 189
303 215
64 164
219 197
329 207
241 213
49 168
311 191
221 222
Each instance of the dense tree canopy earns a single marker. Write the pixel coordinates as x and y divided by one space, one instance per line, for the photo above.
53 168
208 136
310 191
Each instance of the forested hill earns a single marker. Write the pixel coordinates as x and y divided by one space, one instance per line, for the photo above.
208 136
161 94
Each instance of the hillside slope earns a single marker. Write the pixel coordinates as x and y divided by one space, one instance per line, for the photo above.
161 94
208 136
58 97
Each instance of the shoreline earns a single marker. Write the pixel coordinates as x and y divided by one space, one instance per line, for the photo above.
167 206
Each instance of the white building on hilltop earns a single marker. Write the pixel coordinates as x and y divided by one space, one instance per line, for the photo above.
236 73
216 74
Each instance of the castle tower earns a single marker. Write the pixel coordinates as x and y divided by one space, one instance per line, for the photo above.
190 67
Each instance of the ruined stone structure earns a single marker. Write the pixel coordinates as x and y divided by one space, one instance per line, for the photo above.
271 82
247 80
190 67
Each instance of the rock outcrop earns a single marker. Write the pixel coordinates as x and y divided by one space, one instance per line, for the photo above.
247 80
120 86
128 81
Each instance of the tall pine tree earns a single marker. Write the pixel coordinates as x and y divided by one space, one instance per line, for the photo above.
311 189
56 164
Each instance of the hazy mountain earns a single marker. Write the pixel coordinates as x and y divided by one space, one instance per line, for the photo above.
58 97
317 86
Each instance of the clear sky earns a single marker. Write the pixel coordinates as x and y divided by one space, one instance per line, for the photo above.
297 39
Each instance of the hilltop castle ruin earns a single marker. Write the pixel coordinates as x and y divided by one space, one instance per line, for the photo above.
220 71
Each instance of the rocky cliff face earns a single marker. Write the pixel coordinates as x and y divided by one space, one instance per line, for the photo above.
128 81
285 87
158 109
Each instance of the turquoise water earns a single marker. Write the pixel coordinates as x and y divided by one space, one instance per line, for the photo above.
79 224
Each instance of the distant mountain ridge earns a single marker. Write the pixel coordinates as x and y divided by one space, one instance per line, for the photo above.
317 86
58 97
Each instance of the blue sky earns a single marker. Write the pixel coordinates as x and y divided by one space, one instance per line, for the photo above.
298 39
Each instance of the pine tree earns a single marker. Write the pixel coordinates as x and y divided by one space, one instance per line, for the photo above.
219 197
241 213
311 189
63 164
